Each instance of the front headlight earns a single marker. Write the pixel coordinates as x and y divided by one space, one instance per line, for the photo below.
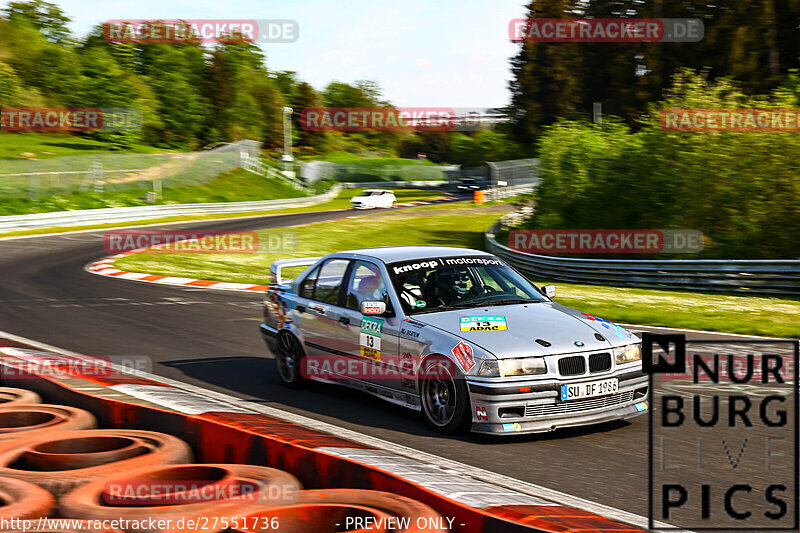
628 354
524 366
489 369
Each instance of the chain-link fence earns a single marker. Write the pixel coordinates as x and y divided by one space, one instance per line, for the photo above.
514 172
314 171
37 178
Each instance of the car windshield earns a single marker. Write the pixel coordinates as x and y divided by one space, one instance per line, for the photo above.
441 284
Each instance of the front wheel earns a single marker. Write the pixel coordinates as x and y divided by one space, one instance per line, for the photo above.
445 397
288 359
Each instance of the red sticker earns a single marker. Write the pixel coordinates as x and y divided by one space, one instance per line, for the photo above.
463 353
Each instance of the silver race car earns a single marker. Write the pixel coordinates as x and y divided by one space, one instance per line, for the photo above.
455 333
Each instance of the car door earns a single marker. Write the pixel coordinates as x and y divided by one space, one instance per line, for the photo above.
370 337
324 330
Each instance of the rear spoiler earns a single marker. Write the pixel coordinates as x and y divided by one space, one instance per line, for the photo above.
277 266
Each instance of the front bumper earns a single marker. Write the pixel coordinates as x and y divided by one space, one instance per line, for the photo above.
533 407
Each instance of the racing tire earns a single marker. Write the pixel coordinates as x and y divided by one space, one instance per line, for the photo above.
10 397
289 360
20 421
444 397
23 500
60 461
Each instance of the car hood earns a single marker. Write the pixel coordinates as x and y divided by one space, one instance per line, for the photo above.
359 198
562 327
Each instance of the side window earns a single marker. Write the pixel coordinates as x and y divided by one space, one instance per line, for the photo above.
307 285
366 283
329 281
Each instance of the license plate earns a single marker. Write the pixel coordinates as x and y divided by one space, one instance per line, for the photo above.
589 389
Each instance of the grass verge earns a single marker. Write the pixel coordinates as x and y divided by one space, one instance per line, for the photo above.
463 225
236 186
751 315
47 145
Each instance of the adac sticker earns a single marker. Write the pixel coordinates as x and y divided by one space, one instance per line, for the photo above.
463 354
370 337
641 406
483 323
512 427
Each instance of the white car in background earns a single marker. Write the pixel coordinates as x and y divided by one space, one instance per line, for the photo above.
373 199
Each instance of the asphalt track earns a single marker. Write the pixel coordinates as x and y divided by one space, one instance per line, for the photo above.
211 339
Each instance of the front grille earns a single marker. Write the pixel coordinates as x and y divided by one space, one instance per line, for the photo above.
578 406
599 362
572 366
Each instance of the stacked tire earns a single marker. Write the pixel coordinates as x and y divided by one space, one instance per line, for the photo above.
54 462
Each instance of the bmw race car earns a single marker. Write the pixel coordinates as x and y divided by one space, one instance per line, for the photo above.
455 333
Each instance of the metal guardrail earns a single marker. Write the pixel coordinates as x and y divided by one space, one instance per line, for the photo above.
130 214
395 184
775 277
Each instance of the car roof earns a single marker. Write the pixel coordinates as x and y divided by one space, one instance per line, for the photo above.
393 254
377 190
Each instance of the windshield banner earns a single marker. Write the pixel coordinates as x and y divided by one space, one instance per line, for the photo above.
423 265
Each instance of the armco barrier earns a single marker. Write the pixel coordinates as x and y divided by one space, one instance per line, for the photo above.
777 277
221 432
128 214
113 215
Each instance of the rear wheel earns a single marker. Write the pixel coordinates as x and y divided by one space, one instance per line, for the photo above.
288 360
445 397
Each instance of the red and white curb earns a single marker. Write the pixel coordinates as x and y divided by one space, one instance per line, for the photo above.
105 267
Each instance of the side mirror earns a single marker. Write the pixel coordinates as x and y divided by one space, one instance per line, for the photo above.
549 291
373 308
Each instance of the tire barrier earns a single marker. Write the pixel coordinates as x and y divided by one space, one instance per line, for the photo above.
19 499
34 420
181 491
62 461
12 397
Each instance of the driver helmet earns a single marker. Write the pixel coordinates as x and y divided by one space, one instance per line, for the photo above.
456 280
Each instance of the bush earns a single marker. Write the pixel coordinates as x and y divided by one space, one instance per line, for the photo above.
740 189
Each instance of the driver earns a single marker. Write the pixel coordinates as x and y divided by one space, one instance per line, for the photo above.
371 288
453 285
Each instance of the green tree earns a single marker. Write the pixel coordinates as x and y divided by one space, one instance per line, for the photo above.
45 17
545 82
306 97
